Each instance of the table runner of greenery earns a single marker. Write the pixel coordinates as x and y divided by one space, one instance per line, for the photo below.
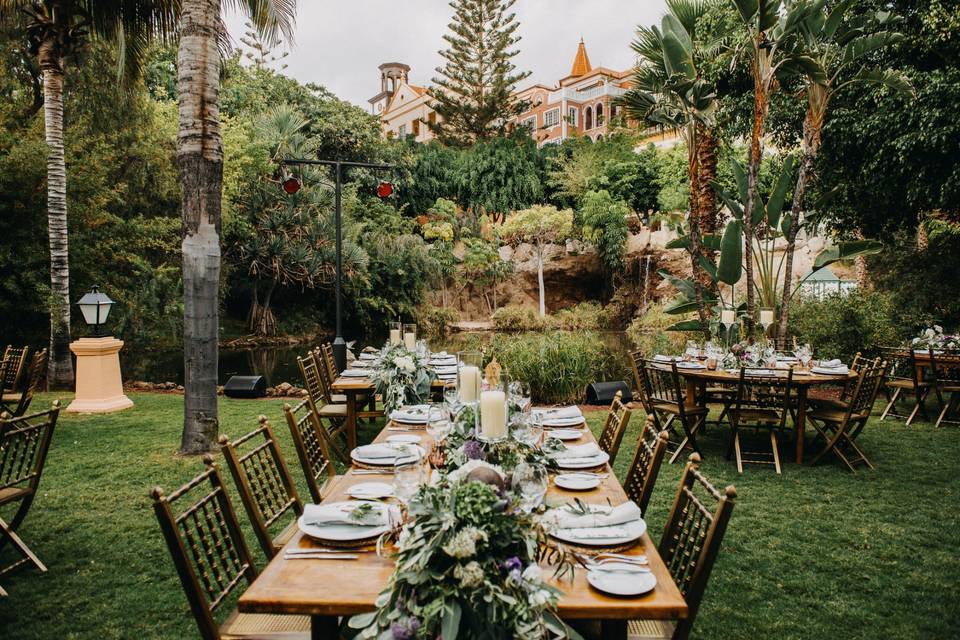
402 377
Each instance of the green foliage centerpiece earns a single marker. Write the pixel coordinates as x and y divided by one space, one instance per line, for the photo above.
401 377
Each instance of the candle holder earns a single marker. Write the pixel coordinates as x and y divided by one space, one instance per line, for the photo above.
469 376
396 333
494 415
410 336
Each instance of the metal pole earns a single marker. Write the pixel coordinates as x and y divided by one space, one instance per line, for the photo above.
339 344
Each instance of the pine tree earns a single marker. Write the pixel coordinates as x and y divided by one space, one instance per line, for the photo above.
473 94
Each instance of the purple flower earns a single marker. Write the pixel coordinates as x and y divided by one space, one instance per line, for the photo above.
510 564
405 628
474 450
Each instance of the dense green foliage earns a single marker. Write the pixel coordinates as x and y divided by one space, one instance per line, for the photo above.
583 316
841 325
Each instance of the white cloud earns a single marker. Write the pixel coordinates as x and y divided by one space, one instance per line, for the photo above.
340 44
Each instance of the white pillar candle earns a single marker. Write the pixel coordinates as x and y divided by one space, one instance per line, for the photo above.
728 316
469 383
493 414
410 340
394 336
766 317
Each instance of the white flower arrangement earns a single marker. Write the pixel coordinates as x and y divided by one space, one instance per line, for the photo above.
401 377
933 337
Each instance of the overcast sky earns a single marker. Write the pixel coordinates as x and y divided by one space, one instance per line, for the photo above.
340 44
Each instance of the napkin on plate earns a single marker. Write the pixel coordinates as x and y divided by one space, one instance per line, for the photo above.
588 450
354 373
564 518
328 514
830 364
560 413
368 356
412 413
386 451
841 370
660 358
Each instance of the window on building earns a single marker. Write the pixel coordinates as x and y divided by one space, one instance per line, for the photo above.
416 128
600 115
551 118
572 116
402 130
433 117
530 123
588 119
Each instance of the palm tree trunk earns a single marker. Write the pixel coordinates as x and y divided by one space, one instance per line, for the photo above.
693 220
200 160
60 363
761 101
707 167
543 304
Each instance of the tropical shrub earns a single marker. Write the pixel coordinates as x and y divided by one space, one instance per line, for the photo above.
649 335
434 322
514 318
603 220
841 325
586 315
558 365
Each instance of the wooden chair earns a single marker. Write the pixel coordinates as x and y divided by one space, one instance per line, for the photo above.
689 547
762 402
213 560
904 379
17 404
24 444
327 367
310 441
618 417
839 428
265 485
15 361
334 415
642 475
663 397
945 369
837 397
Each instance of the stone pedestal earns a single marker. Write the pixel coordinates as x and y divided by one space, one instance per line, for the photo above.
99 385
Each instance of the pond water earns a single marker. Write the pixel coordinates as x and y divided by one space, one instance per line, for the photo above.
279 364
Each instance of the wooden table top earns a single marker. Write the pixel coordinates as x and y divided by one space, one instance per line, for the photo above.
347 587
727 377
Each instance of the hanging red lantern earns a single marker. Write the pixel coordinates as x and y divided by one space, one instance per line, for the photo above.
384 189
291 185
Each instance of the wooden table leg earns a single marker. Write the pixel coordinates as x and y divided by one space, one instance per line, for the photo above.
801 420
324 628
613 629
351 420
691 399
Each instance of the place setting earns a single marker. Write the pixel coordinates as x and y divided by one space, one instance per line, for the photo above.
579 456
560 417
386 454
344 524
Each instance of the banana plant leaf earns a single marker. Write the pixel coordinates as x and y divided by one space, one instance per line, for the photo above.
847 250
730 268
685 287
709 241
687 325
779 195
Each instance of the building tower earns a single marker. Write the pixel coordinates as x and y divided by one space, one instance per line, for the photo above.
392 75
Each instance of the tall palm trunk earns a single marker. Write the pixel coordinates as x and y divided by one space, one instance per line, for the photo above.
200 160
693 220
60 363
761 103
810 147
707 166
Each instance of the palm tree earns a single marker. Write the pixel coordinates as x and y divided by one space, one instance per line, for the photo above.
839 44
200 160
668 90
57 29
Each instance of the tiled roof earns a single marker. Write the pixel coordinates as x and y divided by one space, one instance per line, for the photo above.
581 63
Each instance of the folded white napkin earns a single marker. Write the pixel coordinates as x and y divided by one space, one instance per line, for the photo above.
354 373
441 354
660 358
832 371
830 364
385 451
443 368
368 356
327 514
412 413
691 365
563 518
588 450
560 413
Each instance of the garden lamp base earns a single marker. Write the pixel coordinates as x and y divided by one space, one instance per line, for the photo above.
99 385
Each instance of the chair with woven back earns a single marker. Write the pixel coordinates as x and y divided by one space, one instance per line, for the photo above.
945 369
763 402
18 403
366 403
213 560
14 365
689 547
615 425
904 379
24 444
835 396
265 485
643 472
839 428
310 441
664 397
331 417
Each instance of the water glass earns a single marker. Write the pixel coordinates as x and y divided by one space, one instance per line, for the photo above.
438 422
407 479
452 397
519 392
530 484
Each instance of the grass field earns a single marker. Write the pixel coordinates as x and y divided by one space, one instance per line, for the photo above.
816 553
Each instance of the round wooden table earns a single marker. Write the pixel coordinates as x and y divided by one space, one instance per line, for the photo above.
697 380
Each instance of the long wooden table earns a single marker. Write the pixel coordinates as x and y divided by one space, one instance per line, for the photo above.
328 589
697 380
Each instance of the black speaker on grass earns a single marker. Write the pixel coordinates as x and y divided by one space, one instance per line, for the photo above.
605 392
245 387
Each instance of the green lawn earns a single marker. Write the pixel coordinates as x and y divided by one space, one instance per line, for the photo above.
818 553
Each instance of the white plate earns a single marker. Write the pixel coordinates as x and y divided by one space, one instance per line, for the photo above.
354 373
690 365
343 532
563 422
370 490
621 584
584 463
404 438
565 434
577 482
634 531
416 453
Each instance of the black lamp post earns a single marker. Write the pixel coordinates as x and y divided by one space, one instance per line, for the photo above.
95 307
384 189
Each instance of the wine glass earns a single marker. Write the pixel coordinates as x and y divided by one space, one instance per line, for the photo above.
530 483
804 353
407 479
519 394
438 422
452 397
